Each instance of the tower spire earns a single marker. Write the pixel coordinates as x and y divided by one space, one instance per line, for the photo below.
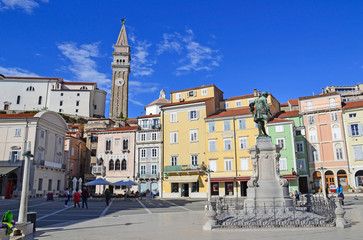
122 38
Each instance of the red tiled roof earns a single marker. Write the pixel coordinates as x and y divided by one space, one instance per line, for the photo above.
231 112
293 102
204 86
75 125
348 105
289 114
151 115
279 120
159 101
17 115
187 102
240 97
284 104
318 96
79 83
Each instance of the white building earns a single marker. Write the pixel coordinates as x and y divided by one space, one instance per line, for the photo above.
18 94
46 131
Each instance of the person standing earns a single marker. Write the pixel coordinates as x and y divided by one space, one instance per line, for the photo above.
66 198
76 198
340 193
108 196
85 195
297 197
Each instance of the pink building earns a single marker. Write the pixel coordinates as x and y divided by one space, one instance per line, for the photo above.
322 116
116 155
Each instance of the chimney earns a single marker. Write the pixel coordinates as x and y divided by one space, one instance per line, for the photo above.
322 90
255 92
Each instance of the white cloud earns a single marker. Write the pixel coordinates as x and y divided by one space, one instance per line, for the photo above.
137 87
136 102
26 5
198 57
141 63
16 72
82 65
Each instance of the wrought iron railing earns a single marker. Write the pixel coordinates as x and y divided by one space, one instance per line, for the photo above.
98 170
178 168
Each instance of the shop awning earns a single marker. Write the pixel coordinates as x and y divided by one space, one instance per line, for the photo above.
289 176
183 179
6 170
229 179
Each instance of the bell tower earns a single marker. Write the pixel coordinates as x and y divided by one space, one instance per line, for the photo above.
120 75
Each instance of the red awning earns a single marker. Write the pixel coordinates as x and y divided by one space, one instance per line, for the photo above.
289 176
229 179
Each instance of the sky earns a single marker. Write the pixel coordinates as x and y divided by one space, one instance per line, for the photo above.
288 48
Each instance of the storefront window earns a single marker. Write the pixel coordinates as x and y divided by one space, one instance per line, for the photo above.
215 188
174 187
195 187
229 188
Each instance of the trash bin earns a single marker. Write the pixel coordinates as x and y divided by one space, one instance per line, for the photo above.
50 197
32 217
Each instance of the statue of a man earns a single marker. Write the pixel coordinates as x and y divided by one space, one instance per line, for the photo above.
261 113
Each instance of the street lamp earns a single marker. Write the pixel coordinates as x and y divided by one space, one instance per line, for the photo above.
322 170
209 184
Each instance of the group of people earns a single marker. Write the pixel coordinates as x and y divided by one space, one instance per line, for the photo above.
77 197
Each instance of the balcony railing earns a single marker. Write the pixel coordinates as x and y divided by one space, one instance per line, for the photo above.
148 175
50 164
180 168
98 170
321 107
149 126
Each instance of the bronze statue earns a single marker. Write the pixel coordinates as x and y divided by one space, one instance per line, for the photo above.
261 113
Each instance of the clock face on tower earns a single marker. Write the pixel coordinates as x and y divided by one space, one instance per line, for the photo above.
119 82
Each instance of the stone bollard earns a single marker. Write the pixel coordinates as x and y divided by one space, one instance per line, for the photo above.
211 216
340 221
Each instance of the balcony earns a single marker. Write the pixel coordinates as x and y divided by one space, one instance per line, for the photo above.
148 175
149 127
50 164
185 168
321 108
98 170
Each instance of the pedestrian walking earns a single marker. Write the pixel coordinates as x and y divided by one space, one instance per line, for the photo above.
340 193
67 196
76 198
297 197
108 196
85 196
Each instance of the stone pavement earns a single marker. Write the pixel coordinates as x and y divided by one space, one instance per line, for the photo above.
188 225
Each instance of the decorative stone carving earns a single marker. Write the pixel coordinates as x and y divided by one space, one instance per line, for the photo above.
340 221
211 216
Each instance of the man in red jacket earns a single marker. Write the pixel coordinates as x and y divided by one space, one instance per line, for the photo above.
76 198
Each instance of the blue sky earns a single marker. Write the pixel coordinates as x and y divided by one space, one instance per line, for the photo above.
289 48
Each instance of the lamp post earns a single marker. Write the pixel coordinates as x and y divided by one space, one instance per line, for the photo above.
322 170
23 209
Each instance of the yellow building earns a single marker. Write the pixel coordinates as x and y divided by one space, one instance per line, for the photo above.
184 130
353 118
230 133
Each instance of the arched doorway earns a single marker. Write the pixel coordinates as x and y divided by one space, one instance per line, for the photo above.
316 181
329 179
358 178
343 179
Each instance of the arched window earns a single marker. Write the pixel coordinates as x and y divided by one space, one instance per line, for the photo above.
111 165
100 161
84 88
123 165
117 165
18 100
125 145
40 100
30 89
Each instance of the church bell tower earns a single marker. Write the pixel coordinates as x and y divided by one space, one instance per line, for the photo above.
120 75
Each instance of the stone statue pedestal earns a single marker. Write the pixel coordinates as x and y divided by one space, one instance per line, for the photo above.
266 188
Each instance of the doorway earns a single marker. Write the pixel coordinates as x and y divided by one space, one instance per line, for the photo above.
243 189
185 190
303 184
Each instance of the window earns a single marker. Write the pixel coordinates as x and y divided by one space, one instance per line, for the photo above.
195 186
228 164
194 160
154 152
108 145
40 100
14 156
111 165
58 185
334 116
301 165
50 182
251 101
299 147
193 135
78 94
336 132
227 125
191 94
298 132
60 110
118 165
314 154
355 130
352 115
226 105
242 124
153 169
144 123
117 141
311 119
40 156
18 100
173 137
309 105
77 103
213 165
60 103
243 143
174 160
142 169
193 115
279 128
239 103
332 102
30 88
40 184
227 144
312 135
212 145
339 151
77 110
17 132
358 152
212 127
143 153
72 151
71 167
174 187
153 136
143 137
281 142
123 165
244 164
283 164
94 139
61 94
178 96
94 107
59 140
204 92
125 144
173 117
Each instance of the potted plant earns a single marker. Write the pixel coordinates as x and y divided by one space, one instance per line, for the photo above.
350 189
